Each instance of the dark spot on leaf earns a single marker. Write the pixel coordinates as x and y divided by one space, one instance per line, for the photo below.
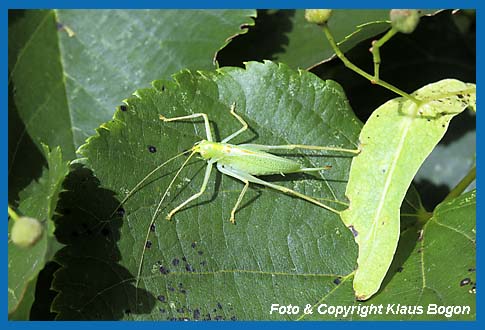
161 298
337 281
175 262
164 270
465 281
420 250
184 259
196 314
218 318
203 263
127 311
152 227
200 252
443 126
172 319
189 268
219 305
163 88
233 318
182 291
152 149
181 285
120 211
123 107
193 245
428 120
377 116
208 317
59 26
354 232
400 269
172 289
471 269
180 310
383 170
148 244
162 310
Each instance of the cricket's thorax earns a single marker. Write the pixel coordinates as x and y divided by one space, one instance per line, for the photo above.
211 150
246 159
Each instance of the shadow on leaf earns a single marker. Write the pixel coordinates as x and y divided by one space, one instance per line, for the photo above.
92 284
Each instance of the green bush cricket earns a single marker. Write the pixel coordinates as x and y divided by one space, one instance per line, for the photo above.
243 162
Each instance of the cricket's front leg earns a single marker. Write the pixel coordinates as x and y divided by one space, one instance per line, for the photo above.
195 196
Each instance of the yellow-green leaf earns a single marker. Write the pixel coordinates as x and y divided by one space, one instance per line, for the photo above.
395 141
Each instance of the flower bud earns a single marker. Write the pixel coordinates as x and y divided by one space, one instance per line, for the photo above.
318 16
26 231
404 20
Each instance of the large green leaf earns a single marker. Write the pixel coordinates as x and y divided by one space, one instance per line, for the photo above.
282 249
447 54
38 201
434 265
39 95
91 59
395 141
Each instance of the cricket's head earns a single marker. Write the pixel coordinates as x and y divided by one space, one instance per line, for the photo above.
208 149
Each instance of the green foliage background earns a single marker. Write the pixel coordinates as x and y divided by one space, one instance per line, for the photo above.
70 70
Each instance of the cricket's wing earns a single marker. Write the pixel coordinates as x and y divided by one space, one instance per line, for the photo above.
255 162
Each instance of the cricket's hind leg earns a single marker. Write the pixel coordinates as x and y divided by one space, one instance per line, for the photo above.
261 147
245 177
228 172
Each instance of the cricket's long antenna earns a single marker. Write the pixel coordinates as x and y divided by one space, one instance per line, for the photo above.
145 178
156 212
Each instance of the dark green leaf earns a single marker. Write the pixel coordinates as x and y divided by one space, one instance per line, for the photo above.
286 36
282 249
92 59
434 266
38 201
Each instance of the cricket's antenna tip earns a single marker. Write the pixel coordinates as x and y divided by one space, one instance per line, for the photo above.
162 117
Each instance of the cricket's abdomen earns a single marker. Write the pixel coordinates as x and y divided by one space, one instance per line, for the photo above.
256 162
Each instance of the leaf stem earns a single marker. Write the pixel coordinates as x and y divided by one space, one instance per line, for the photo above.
375 50
361 72
13 214
463 184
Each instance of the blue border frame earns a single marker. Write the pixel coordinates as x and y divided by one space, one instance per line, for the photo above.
226 4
